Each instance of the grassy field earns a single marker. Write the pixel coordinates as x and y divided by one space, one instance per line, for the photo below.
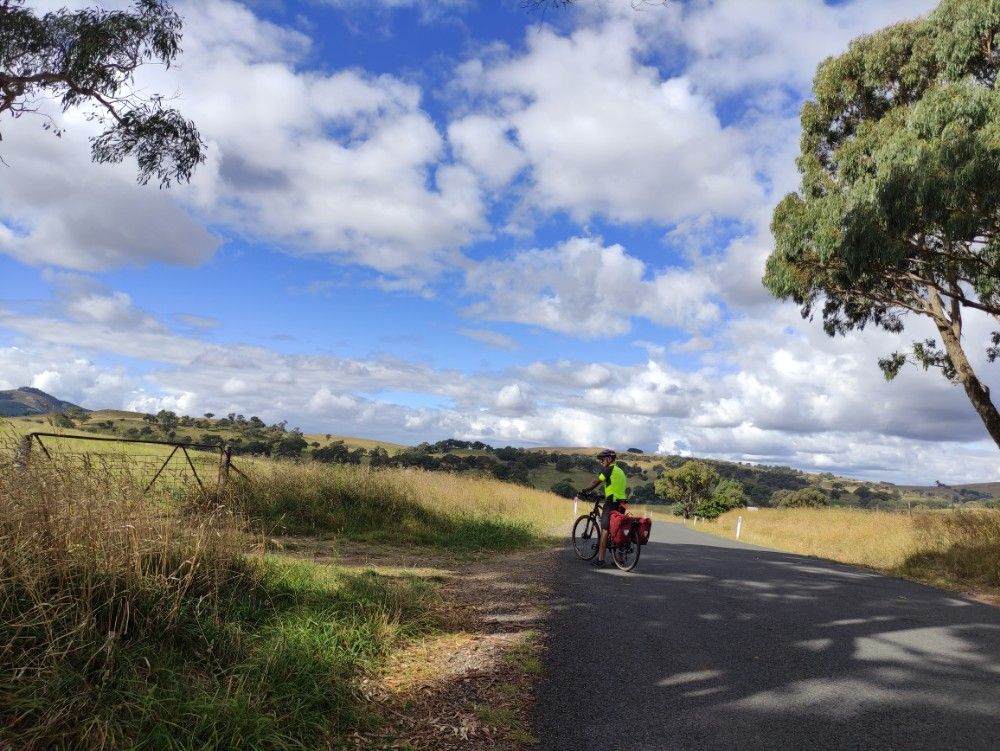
121 421
159 621
459 513
162 620
955 549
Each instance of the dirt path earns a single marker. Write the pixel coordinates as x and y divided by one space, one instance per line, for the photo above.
470 687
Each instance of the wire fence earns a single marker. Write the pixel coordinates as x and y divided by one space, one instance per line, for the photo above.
154 463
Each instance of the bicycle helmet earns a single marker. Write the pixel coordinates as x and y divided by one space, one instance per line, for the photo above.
607 454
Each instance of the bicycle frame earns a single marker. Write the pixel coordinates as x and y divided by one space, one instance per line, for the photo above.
592 526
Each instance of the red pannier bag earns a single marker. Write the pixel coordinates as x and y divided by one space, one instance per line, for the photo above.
620 526
643 526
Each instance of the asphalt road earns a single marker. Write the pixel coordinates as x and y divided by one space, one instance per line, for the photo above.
710 644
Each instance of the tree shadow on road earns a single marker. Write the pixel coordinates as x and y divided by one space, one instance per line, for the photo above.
714 645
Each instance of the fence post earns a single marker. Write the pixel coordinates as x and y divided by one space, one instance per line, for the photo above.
225 457
22 454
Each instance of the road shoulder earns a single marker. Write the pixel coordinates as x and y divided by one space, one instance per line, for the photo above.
471 685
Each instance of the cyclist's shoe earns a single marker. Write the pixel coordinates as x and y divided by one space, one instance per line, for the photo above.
597 563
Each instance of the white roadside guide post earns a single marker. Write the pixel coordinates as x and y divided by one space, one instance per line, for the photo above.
576 499
739 526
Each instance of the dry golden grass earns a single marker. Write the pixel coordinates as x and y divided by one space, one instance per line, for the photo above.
452 496
63 527
961 546
72 441
455 496
356 443
950 548
482 497
865 538
128 616
86 559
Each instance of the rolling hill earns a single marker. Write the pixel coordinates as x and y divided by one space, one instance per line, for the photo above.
31 401
561 469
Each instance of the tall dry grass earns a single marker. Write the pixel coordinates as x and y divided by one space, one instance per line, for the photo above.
865 538
88 563
481 497
955 548
960 546
403 506
131 620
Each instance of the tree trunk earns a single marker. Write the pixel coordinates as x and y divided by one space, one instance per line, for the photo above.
978 394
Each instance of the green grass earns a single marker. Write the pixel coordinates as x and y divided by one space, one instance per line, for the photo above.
387 507
137 621
134 620
272 665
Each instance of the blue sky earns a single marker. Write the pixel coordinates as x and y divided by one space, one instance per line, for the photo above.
422 220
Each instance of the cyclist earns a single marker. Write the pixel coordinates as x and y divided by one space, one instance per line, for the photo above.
613 478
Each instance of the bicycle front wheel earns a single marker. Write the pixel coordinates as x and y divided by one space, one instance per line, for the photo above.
586 536
626 555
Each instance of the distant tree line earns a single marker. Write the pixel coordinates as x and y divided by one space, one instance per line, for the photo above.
704 488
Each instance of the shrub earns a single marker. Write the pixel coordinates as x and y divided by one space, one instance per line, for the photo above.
564 488
802 498
728 494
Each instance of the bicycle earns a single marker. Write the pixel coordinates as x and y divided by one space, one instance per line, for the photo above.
587 537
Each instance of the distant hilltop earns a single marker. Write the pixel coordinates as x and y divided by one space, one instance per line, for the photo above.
30 401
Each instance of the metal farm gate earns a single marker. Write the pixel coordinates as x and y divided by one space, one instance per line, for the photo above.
174 462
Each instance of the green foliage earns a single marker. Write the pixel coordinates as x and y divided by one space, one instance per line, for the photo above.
564 463
290 445
338 452
645 492
90 56
167 420
802 498
728 494
690 484
371 510
565 488
378 457
267 660
899 210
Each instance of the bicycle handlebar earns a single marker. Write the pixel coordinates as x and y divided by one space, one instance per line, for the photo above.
597 500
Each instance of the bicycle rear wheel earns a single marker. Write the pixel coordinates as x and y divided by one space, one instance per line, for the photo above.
626 555
586 536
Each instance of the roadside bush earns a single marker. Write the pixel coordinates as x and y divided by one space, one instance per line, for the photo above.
728 494
802 498
564 488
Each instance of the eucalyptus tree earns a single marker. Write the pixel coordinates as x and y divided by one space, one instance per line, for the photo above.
899 209
689 484
89 57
